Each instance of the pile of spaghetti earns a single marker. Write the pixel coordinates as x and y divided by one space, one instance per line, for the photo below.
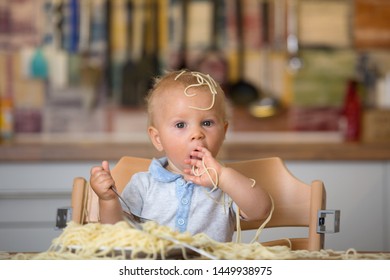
120 241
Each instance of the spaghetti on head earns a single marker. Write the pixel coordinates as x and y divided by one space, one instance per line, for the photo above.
193 83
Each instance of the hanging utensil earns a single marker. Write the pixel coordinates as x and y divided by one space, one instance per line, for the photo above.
155 52
71 28
129 68
267 105
182 64
148 66
279 23
85 25
241 92
143 57
294 61
214 61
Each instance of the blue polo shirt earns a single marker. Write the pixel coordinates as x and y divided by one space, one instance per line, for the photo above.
168 199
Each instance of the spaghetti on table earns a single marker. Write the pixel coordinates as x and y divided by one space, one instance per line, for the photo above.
120 241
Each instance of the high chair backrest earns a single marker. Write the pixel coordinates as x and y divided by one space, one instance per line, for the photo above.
295 203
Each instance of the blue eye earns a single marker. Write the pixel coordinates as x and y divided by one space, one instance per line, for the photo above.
180 125
207 123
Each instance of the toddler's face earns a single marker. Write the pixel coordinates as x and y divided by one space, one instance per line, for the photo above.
180 128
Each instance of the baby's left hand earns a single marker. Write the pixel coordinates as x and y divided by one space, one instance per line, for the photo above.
205 170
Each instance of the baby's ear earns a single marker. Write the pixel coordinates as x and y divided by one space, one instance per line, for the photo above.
154 136
226 126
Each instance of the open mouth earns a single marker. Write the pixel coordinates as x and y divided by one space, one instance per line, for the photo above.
195 157
198 158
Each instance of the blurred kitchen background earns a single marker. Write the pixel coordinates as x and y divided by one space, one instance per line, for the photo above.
80 66
310 75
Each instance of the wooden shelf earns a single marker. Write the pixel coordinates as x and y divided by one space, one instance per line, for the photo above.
18 152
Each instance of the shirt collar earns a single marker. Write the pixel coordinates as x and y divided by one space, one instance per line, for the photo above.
160 173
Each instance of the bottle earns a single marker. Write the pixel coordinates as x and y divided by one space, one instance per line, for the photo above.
351 113
6 120
7 101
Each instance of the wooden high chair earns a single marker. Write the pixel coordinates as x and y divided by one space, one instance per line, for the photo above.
296 204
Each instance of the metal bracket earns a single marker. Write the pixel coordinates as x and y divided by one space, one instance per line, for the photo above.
64 215
324 226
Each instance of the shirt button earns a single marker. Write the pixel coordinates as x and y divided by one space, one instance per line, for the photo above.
180 221
180 182
184 201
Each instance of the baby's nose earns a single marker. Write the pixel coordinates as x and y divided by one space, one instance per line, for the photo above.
197 134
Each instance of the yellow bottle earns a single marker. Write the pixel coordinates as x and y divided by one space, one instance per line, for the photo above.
6 119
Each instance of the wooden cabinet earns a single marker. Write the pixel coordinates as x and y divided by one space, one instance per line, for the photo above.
30 194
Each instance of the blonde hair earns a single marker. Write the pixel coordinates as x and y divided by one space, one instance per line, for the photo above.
186 79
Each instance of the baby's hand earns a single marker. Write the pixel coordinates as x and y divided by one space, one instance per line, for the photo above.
205 169
101 181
